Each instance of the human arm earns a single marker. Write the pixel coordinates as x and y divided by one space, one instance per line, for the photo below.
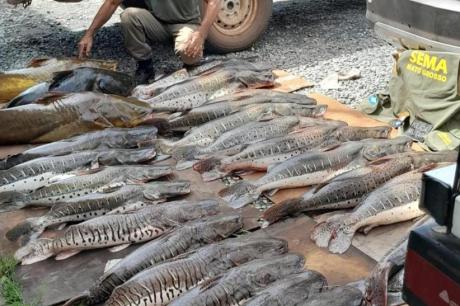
197 39
103 15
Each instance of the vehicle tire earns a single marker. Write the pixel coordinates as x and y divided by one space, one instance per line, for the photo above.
239 24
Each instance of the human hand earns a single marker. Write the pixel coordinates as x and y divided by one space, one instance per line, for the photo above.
85 45
194 45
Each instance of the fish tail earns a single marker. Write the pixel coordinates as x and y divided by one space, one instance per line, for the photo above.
341 240
82 299
280 211
323 233
28 230
207 164
240 194
377 284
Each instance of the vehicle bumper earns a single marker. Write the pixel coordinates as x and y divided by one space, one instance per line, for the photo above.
417 24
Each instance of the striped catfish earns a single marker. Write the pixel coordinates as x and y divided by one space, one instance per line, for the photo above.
197 91
261 155
394 202
187 238
106 139
227 105
160 284
98 204
243 282
290 291
234 140
37 172
118 231
314 168
347 190
81 183
157 87
337 296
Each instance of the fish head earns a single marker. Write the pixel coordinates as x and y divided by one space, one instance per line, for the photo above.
35 251
253 79
243 250
119 111
125 156
375 149
114 83
223 226
273 269
147 173
193 211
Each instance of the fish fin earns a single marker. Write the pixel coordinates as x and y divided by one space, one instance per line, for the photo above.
176 115
78 300
427 167
60 75
37 62
272 192
50 98
341 240
322 233
240 194
207 164
109 188
330 147
119 248
66 254
61 226
29 230
279 211
272 166
209 283
11 206
95 164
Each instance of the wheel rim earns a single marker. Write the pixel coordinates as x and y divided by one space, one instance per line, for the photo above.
236 16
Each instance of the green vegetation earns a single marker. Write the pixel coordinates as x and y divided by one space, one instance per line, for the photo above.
10 289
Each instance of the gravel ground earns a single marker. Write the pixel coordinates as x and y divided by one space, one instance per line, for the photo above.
308 37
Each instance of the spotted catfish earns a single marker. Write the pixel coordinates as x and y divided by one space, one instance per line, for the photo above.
314 168
227 105
106 139
99 204
243 282
207 133
160 284
117 231
261 155
197 91
235 140
183 240
347 190
394 202
37 172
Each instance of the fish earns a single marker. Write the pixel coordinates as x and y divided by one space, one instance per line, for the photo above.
313 168
290 291
163 283
65 115
236 139
37 172
157 87
385 281
14 82
243 282
183 240
30 95
337 296
95 205
80 183
112 138
260 155
209 132
347 190
228 105
197 91
116 231
395 201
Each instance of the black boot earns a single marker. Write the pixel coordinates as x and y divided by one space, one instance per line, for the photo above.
144 72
